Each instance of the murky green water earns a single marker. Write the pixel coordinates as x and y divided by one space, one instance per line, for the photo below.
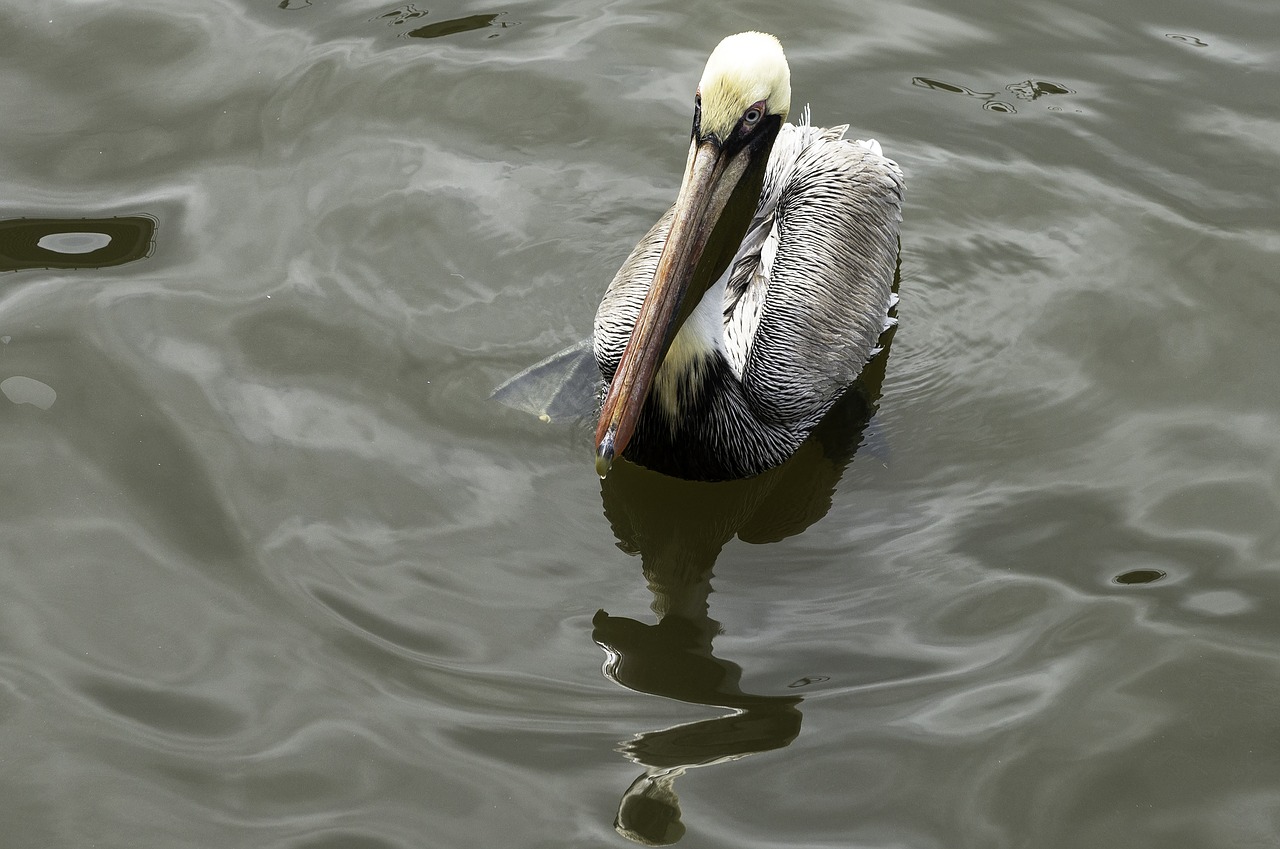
275 572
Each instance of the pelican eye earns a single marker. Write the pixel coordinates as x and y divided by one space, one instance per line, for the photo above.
753 115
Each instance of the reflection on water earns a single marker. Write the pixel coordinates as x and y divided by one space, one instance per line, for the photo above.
408 13
1140 576
275 573
455 26
678 529
28 390
29 243
402 15
1026 90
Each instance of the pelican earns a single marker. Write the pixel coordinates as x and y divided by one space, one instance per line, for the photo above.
752 305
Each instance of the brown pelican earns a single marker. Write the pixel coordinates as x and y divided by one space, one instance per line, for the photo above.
755 301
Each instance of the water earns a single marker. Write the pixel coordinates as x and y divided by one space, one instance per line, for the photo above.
277 574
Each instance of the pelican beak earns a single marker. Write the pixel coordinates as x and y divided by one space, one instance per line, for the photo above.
685 270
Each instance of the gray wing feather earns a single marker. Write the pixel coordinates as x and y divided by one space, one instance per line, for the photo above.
620 306
814 296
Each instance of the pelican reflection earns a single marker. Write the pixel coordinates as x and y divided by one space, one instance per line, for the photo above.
678 528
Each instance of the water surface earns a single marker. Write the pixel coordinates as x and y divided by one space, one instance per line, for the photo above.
276 572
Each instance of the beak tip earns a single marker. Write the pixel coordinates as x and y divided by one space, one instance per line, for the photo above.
604 454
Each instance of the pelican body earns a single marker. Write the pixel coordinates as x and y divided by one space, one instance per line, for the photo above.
752 305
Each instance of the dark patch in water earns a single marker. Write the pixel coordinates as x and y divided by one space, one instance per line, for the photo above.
31 243
408 13
808 680
1140 576
1026 90
403 14
454 26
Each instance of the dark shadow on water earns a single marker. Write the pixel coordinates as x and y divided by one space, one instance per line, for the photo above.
453 27
29 243
678 529
409 13
1025 90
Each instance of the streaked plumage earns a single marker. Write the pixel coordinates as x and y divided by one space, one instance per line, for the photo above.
780 335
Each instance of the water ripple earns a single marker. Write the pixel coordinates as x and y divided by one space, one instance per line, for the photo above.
277 574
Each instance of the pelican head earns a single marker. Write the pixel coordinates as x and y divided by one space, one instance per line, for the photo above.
738 109
745 70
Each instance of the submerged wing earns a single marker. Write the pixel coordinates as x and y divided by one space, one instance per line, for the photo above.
563 387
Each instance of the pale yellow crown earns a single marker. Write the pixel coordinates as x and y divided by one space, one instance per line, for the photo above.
743 70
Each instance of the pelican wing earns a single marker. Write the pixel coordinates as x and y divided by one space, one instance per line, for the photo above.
808 295
563 387
621 303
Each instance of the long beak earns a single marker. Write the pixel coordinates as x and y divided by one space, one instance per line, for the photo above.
710 179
